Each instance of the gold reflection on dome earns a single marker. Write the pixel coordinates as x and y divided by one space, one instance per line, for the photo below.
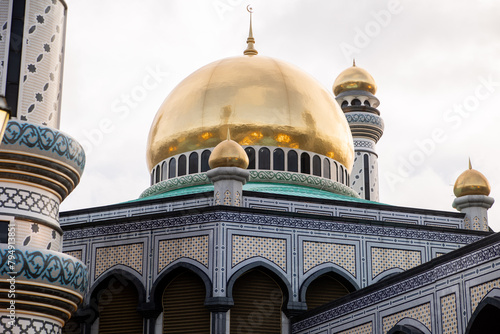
354 78
471 182
264 101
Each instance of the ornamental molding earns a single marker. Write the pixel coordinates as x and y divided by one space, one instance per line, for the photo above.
45 141
426 278
270 220
42 266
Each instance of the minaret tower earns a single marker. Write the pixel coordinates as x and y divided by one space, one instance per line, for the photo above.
354 90
472 190
39 167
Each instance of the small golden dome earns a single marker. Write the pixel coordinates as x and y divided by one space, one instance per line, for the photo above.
263 100
228 153
354 78
471 182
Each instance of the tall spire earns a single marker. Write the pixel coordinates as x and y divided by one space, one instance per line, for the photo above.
470 165
250 50
353 62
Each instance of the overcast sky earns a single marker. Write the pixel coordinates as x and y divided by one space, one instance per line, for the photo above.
436 64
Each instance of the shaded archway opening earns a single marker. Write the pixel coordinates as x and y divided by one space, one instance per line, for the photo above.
183 305
485 317
258 301
324 289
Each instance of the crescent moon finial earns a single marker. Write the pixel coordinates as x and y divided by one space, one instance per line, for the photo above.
250 50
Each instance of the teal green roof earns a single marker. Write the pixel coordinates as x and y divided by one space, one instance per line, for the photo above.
270 188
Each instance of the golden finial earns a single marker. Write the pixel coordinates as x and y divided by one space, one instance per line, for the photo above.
470 165
250 50
353 62
228 135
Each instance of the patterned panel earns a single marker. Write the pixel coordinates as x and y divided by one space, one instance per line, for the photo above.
37 236
245 247
363 329
4 42
421 313
316 253
479 291
75 253
41 74
29 201
387 258
50 267
449 314
30 325
195 248
467 223
476 224
130 255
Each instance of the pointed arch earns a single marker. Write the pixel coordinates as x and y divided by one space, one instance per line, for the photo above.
409 326
346 280
171 272
485 317
274 273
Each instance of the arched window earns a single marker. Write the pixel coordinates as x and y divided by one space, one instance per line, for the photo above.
193 163
183 305
316 165
157 178
251 157
182 165
164 170
324 289
278 159
341 174
256 288
335 172
345 104
171 168
347 177
153 177
205 155
305 163
326 169
293 161
367 103
264 158
117 306
356 102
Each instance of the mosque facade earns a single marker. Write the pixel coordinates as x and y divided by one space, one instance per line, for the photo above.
262 214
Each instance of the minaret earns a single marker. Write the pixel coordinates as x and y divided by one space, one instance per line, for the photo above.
39 167
354 90
472 190
228 162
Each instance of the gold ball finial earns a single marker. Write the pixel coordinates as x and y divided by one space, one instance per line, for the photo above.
471 182
354 78
228 153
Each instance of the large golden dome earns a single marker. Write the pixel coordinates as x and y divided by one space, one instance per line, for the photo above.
354 78
262 100
471 182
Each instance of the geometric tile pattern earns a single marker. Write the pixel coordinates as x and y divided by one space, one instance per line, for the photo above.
479 291
316 253
30 325
363 329
41 71
387 258
75 253
475 225
128 255
449 314
195 248
245 247
29 201
421 313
